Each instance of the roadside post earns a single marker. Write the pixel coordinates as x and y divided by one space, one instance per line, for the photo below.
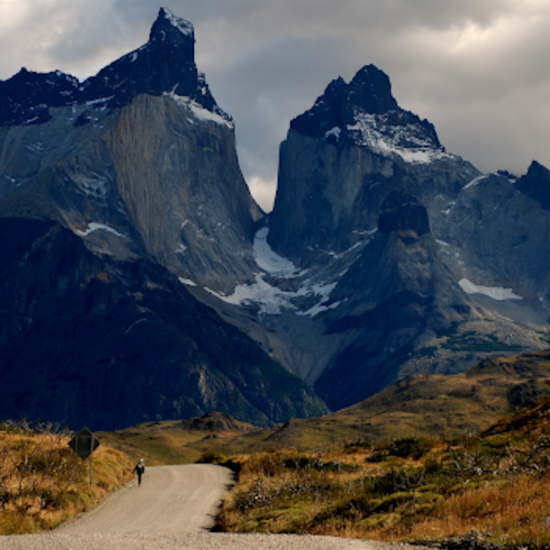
84 443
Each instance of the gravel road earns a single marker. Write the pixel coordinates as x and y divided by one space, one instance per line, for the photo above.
172 510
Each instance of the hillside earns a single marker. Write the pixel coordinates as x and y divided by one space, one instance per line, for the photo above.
43 482
425 406
486 491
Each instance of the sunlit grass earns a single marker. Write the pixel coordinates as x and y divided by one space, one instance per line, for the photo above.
407 490
43 483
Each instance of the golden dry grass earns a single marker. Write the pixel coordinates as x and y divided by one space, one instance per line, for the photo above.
43 483
408 490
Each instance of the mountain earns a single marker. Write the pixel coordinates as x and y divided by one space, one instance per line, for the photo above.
420 267
115 194
141 281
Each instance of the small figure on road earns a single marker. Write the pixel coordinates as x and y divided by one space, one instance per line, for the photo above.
140 469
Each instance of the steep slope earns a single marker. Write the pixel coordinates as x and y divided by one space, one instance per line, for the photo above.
87 340
115 195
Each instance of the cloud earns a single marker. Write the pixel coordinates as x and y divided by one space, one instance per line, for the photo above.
477 70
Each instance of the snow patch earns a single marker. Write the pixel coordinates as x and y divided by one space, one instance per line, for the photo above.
336 131
199 111
496 293
323 291
99 227
99 101
187 282
271 300
270 261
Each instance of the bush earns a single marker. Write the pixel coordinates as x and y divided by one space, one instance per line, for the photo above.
407 447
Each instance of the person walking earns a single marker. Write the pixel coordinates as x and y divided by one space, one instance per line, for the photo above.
140 470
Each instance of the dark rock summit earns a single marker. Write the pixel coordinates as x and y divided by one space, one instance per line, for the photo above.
165 64
26 97
536 184
339 115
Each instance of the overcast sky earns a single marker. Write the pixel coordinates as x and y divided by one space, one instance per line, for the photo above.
478 69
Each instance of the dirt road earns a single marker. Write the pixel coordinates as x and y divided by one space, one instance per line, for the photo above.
172 510
171 499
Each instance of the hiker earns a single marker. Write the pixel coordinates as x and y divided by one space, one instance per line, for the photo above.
140 469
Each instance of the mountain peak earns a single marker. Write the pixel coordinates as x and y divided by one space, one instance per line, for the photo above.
364 113
169 27
370 90
536 184
165 64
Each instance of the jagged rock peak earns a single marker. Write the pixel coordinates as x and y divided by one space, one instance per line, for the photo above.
25 97
170 27
536 184
364 113
402 212
165 64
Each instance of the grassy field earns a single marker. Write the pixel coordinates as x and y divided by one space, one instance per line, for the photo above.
43 483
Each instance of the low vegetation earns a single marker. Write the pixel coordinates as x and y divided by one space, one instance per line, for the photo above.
496 483
42 482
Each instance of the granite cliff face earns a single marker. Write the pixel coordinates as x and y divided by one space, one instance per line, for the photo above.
131 165
344 156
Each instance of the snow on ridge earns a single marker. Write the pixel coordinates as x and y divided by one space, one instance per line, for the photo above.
372 131
93 226
496 293
475 181
268 260
198 110
187 282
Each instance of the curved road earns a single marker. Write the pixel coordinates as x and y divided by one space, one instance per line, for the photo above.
172 510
